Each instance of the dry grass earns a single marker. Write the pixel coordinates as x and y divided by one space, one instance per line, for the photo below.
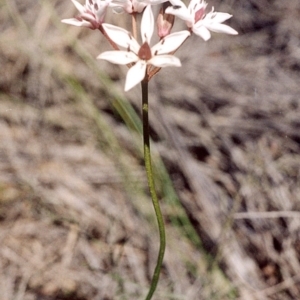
75 217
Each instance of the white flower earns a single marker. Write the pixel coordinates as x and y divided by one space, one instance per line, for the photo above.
133 6
91 15
129 6
142 56
199 22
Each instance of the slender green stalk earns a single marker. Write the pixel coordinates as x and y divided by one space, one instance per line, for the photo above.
159 217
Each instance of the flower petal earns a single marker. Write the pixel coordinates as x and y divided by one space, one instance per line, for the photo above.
100 8
162 61
76 22
121 37
218 17
118 57
152 2
180 10
177 3
135 74
129 6
202 32
147 25
195 5
170 43
221 28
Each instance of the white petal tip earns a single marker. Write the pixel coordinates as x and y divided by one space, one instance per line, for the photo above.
76 22
234 32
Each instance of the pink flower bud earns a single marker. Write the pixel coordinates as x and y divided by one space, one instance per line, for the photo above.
164 21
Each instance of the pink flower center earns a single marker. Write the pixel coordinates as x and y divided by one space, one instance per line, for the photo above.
199 14
145 52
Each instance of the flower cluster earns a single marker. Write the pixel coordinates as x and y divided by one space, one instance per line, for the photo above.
145 60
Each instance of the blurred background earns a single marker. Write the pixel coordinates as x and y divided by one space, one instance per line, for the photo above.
76 220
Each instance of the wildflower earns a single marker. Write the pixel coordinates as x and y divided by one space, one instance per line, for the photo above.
164 21
91 15
133 6
198 21
129 6
142 56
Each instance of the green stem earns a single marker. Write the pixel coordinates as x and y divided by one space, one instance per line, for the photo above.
150 178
